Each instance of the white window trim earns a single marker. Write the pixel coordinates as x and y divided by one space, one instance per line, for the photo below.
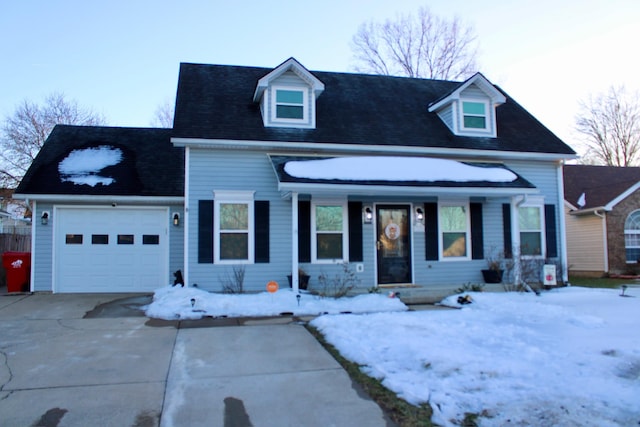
532 202
305 105
345 231
242 197
454 203
488 117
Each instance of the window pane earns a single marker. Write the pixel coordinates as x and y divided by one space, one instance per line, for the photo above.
289 96
474 122
530 243
529 218
454 244
99 239
234 246
234 216
73 239
453 218
329 246
633 221
473 108
125 239
289 112
632 240
150 239
633 254
329 218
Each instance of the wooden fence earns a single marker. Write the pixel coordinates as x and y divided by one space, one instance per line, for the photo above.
12 243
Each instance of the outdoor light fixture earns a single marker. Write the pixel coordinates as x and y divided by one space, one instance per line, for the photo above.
419 215
368 215
176 219
45 218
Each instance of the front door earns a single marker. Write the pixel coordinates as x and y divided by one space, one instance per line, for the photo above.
393 244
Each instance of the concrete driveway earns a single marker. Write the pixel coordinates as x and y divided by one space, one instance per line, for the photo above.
79 360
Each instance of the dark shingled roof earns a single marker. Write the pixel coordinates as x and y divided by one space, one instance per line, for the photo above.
216 102
150 166
600 184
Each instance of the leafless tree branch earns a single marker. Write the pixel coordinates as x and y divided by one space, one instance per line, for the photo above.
421 45
23 133
610 125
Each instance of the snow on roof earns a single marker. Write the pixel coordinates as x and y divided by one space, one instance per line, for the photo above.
386 168
82 166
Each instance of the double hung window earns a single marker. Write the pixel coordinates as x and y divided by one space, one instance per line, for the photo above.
474 115
329 237
454 230
233 219
530 223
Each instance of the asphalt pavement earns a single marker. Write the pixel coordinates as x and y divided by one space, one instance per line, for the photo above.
96 360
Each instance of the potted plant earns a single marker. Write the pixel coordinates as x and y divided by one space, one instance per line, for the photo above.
303 279
494 271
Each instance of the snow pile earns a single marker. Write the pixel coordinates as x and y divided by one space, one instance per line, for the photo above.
83 166
371 168
172 303
570 357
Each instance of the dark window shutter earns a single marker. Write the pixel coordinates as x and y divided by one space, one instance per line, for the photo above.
261 227
304 231
506 230
550 231
355 231
477 235
431 231
205 231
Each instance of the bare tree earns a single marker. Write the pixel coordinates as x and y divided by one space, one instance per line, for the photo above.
24 132
163 117
421 45
610 124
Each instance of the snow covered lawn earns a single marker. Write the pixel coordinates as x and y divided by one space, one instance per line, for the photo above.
570 357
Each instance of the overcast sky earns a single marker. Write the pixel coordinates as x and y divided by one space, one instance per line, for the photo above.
121 57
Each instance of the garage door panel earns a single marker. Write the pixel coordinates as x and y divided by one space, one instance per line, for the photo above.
121 250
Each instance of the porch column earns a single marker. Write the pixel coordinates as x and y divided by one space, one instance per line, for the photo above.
294 242
515 239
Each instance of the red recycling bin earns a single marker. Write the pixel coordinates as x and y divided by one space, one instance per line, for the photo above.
18 268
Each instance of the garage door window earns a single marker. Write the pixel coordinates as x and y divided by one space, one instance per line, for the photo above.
125 239
73 239
99 239
150 239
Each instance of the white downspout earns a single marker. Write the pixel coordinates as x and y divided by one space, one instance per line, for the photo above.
32 273
294 243
185 221
605 242
563 226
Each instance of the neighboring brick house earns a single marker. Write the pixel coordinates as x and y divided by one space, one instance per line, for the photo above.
602 212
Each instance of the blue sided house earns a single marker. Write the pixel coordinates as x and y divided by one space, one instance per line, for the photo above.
405 181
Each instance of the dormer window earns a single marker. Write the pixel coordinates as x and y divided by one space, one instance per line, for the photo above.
289 104
470 109
287 96
474 115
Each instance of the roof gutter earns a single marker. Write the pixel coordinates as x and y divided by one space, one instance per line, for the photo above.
140 200
335 147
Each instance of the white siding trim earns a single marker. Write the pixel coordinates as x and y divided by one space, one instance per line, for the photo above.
337 147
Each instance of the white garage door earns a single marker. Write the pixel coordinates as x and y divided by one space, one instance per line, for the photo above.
111 250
